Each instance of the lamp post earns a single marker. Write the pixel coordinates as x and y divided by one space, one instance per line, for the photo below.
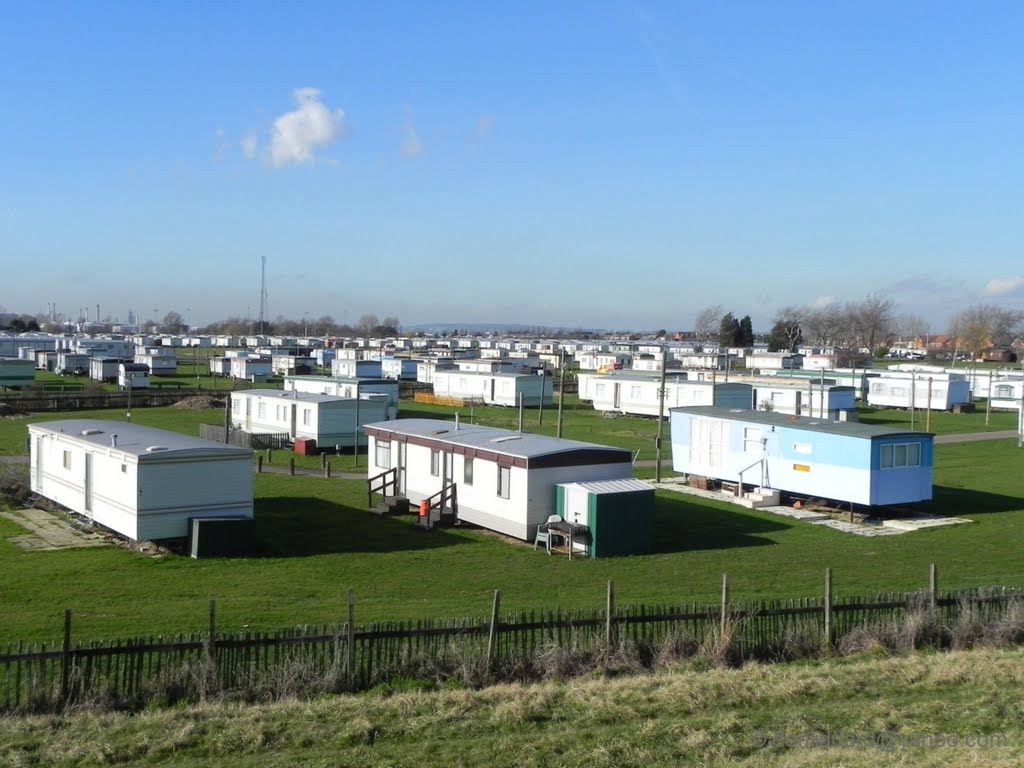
130 378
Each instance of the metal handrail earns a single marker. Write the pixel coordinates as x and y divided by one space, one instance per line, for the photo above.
384 485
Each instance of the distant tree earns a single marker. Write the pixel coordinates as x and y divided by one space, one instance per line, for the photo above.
785 335
823 326
980 326
706 326
173 322
367 323
746 337
910 326
728 330
24 324
872 318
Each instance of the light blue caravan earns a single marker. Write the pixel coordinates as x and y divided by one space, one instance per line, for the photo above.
838 460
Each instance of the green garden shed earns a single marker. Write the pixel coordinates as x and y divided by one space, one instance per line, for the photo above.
619 515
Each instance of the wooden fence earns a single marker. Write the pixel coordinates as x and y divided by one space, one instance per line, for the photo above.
93 401
256 440
348 656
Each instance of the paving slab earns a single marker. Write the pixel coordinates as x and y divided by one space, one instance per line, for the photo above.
48 532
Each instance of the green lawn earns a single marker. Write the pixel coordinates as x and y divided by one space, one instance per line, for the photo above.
316 540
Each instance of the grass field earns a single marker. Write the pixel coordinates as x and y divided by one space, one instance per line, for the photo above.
316 540
955 709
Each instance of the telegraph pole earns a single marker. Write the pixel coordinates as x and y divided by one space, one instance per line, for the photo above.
561 389
661 416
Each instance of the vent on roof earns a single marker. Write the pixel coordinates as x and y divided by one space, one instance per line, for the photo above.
92 431
156 448
506 438
440 431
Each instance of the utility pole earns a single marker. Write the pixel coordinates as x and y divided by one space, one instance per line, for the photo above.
561 389
661 416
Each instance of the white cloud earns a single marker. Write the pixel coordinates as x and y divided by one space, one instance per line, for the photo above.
297 136
250 145
1000 286
411 144
824 301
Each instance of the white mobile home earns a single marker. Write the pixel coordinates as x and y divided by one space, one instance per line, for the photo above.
802 397
160 364
292 365
774 361
347 368
495 388
46 359
327 385
425 368
326 419
1006 394
842 461
401 368
505 480
596 361
220 366
639 395
132 376
142 482
250 368
104 369
903 389
72 364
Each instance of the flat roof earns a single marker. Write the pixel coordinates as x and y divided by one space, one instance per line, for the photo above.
290 394
493 439
135 439
809 423
343 379
629 485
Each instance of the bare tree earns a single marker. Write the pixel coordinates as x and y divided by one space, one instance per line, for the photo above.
367 323
872 317
984 325
706 326
173 322
910 326
786 331
823 326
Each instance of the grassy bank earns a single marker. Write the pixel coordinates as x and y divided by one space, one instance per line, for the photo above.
860 711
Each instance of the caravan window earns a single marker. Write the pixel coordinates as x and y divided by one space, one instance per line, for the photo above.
236 405
467 471
900 455
261 410
67 459
504 481
384 454
634 392
1004 390
435 463
599 390
306 416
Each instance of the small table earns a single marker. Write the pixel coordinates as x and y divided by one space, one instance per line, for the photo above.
571 533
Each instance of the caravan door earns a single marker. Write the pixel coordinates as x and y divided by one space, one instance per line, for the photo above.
400 468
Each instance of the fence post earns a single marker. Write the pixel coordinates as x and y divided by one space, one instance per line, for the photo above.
323 461
291 466
327 470
259 464
350 636
492 635
269 456
724 618
65 661
933 586
211 648
828 608
609 614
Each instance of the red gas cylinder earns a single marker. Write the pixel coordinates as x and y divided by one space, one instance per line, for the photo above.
424 508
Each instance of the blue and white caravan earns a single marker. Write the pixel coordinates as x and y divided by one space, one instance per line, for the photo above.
839 460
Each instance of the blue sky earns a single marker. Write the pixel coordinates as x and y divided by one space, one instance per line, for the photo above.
596 164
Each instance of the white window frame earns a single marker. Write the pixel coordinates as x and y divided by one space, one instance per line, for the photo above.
900 456
504 482
383 454
67 459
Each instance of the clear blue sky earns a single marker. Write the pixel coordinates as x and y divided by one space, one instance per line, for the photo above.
599 164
